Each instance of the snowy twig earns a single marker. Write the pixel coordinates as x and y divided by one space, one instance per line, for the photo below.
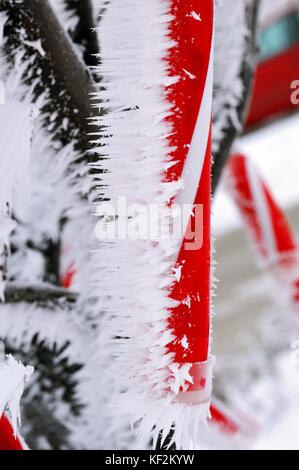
43 295
234 125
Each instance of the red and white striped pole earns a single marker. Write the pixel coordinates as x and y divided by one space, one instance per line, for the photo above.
266 223
191 96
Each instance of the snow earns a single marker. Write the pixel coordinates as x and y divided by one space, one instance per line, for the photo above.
196 16
281 433
66 15
15 120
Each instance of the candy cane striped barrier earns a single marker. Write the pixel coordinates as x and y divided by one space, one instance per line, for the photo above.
267 225
191 97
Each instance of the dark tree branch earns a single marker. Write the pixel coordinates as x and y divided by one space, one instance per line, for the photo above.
60 74
231 132
43 295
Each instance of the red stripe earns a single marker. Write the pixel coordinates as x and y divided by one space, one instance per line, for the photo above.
191 53
285 239
191 318
238 180
282 233
223 421
7 439
68 278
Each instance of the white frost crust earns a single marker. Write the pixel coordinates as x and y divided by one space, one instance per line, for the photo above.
136 274
13 377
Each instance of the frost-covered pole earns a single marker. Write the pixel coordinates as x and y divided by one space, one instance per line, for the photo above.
192 32
157 64
273 239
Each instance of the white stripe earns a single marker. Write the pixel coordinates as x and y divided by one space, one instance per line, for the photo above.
196 156
262 210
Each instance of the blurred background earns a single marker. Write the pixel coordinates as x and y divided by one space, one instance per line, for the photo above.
254 338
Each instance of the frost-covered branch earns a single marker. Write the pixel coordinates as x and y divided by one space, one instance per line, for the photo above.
43 67
42 295
235 63
52 68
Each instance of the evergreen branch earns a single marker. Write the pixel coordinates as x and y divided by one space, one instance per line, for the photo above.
55 70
